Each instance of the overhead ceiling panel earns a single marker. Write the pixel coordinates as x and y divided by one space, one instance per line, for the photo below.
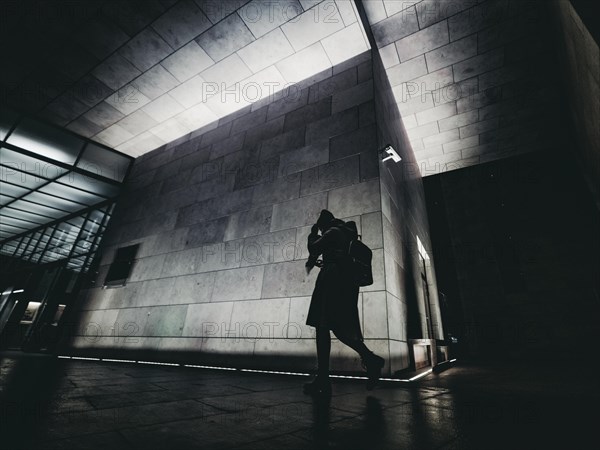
48 173
47 141
135 88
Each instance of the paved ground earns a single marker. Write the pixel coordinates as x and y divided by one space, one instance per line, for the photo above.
49 403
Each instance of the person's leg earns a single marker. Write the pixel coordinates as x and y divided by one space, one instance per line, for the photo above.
323 351
320 385
355 344
371 362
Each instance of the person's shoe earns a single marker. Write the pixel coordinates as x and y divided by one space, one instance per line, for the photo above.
318 387
373 365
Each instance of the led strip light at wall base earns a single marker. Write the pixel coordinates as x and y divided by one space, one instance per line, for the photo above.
272 372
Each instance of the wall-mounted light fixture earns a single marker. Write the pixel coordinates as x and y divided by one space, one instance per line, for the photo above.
12 290
393 155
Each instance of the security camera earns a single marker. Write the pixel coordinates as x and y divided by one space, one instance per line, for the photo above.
393 155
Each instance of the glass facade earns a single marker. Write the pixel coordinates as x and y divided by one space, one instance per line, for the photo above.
48 173
74 240
57 195
56 191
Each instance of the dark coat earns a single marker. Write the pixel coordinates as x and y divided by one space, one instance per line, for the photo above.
334 300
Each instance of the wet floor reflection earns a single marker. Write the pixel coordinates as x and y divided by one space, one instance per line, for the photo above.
386 419
61 404
424 418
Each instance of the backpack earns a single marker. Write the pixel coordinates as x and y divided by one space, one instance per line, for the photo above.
360 256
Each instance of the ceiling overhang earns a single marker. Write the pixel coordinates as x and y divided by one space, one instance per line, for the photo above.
137 77
48 173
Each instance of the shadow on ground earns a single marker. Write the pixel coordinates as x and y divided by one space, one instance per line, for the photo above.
49 403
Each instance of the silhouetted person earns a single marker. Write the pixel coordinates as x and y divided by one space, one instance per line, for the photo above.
334 300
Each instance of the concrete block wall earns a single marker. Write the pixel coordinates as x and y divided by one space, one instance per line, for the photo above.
474 79
222 221
404 220
142 75
580 62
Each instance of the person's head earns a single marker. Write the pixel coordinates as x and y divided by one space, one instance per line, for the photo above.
324 220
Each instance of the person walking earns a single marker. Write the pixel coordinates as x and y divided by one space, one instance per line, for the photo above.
334 300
